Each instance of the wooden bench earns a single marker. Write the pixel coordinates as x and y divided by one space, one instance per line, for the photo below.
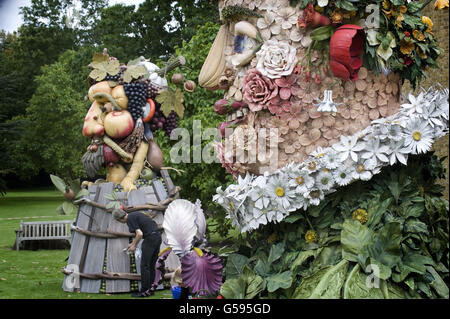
45 230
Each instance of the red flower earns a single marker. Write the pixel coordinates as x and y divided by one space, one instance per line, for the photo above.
407 60
346 46
407 34
312 18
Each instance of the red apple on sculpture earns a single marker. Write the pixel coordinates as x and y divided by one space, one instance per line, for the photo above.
118 124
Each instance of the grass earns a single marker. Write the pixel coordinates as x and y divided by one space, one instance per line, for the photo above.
37 274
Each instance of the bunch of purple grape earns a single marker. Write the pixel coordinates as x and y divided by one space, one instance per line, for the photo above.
159 121
137 98
171 123
152 89
115 78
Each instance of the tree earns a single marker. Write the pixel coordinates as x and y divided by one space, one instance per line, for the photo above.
163 25
117 30
52 125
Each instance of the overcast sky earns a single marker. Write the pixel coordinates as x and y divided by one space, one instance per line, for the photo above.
10 19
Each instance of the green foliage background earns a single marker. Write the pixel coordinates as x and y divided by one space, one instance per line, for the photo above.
406 236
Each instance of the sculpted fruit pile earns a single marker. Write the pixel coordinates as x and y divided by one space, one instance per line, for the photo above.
120 120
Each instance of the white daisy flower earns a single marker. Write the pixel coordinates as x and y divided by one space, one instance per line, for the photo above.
302 181
312 165
276 214
432 114
319 153
241 190
391 131
342 176
322 3
300 202
259 194
260 215
324 180
290 169
330 160
399 152
363 169
348 147
373 150
280 192
314 196
418 136
415 104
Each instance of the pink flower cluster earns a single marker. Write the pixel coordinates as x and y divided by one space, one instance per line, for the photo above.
280 96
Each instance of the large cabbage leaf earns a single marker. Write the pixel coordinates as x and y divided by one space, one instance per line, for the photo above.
326 283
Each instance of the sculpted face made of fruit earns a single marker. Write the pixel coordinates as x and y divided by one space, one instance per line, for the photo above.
107 122
276 76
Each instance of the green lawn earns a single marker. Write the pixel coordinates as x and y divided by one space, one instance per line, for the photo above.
36 274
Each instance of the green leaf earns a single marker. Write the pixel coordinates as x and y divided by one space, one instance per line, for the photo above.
98 74
438 284
99 57
235 265
69 208
82 192
60 210
275 252
233 288
303 256
385 272
325 283
292 218
75 185
281 280
346 5
355 286
411 21
417 263
414 225
262 268
171 100
385 244
254 283
59 183
414 6
354 237
376 211
111 196
101 69
322 33
134 72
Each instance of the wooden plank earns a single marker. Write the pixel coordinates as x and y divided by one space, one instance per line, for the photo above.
117 259
95 255
159 189
80 241
168 181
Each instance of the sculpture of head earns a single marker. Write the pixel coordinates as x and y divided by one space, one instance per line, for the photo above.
279 66
313 92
